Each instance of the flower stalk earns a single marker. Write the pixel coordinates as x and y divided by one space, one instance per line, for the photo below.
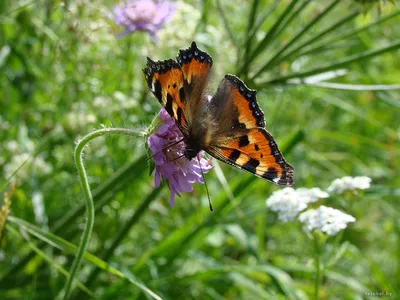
87 232
318 266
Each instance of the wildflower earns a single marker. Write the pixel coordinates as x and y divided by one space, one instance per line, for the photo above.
348 183
288 202
170 162
143 15
325 219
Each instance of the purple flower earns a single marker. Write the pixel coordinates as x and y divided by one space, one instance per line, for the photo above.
170 162
144 15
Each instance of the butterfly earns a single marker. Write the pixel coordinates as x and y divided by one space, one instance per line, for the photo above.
229 126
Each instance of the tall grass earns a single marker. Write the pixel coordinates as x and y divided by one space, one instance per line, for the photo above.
327 80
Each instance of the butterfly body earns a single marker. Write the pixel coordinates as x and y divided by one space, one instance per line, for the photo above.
229 125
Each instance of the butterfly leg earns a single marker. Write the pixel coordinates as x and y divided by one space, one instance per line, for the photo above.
165 148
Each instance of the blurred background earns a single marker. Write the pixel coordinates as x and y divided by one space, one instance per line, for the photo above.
327 75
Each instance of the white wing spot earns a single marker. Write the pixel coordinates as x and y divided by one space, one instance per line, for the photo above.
276 180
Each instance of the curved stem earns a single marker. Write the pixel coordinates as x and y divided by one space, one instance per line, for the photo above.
78 154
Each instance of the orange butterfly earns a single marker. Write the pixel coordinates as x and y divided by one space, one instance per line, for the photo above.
229 126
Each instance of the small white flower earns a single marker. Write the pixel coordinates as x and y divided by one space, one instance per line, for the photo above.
288 202
348 183
16 161
12 146
101 102
311 195
39 166
325 219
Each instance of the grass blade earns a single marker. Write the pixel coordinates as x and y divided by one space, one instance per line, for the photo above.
227 27
252 28
355 87
59 243
270 34
51 262
310 24
341 64
292 17
344 36
315 38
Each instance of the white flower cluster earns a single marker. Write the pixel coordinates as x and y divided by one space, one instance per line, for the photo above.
325 219
288 202
347 183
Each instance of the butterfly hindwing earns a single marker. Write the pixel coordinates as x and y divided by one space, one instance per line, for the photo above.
254 150
166 81
241 139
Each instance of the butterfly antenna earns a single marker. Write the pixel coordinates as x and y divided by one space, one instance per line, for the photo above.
205 183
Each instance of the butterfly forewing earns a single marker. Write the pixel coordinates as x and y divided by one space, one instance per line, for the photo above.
166 81
196 66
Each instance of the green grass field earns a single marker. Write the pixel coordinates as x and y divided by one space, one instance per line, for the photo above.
327 75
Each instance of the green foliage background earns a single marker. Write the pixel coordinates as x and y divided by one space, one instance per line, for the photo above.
327 75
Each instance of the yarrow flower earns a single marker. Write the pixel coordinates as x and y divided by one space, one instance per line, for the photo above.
288 202
325 219
347 183
143 15
170 162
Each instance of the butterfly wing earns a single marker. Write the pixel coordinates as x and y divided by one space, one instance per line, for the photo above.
166 81
179 85
196 66
240 138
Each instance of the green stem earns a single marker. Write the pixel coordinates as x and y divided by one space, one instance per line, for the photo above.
88 197
317 267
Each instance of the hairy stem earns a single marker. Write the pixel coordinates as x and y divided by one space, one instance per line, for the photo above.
88 197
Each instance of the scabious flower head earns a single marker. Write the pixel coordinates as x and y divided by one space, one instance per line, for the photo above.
325 219
288 202
143 15
170 162
347 183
